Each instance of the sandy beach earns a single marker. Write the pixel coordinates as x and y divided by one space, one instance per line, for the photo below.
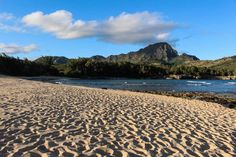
42 119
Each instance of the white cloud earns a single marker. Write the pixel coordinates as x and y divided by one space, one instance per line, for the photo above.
140 27
6 16
14 49
11 28
162 36
9 23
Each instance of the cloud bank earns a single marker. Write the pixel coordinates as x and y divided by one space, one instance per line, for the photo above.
14 49
140 27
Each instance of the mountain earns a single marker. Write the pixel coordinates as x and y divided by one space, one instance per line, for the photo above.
158 60
159 52
155 54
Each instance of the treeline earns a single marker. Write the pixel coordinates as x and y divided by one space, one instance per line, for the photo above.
91 68
18 67
85 67
200 71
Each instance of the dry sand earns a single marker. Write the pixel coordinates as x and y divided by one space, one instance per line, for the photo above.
42 119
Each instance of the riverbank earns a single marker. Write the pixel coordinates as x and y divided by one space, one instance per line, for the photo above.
49 119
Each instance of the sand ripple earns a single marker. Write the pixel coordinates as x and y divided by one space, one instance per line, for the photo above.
41 119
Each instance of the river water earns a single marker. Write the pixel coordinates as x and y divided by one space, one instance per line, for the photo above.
209 86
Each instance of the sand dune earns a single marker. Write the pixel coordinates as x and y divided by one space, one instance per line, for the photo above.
42 119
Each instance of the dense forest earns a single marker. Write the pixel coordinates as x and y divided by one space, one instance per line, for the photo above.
88 67
18 67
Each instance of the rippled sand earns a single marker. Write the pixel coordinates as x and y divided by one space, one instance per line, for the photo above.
41 119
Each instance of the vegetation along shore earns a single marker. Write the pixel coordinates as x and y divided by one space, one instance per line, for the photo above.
158 60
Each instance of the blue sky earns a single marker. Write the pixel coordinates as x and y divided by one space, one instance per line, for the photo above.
85 28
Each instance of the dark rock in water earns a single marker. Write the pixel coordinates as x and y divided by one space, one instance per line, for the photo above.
231 105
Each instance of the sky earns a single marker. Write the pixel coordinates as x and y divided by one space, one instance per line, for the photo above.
82 28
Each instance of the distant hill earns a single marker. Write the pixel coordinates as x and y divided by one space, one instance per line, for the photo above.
52 60
184 58
155 54
159 52
158 60
228 63
98 57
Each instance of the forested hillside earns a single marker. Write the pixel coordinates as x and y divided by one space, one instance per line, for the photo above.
158 60
87 67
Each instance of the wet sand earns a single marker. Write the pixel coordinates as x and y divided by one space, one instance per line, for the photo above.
42 119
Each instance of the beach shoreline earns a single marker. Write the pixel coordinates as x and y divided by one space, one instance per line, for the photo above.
44 119
226 99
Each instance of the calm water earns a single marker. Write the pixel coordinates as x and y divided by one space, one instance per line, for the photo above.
215 86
